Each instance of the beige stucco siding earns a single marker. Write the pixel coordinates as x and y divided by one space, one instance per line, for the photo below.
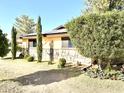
25 43
57 42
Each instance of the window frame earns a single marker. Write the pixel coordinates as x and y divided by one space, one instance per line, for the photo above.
67 41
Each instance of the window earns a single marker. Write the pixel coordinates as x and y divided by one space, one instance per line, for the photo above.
66 42
70 44
32 43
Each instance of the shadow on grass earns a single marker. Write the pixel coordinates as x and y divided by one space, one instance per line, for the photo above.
47 77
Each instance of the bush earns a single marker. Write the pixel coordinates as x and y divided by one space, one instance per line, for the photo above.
30 58
26 56
13 43
98 35
21 55
62 62
105 74
4 45
20 49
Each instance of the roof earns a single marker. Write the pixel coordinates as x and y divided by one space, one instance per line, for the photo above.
59 30
28 35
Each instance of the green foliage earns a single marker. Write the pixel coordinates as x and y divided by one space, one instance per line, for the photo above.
13 43
62 62
19 48
24 25
94 72
30 58
104 5
4 45
98 35
105 74
21 55
108 67
26 56
39 40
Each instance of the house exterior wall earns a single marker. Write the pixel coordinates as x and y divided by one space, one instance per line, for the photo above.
24 43
70 54
56 42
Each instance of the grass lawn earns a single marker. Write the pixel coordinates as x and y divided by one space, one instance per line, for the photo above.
20 76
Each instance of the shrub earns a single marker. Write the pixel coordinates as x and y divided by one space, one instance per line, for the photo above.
50 63
21 56
13 43
62 62
30 58
105 74
98 35
94 72
20 49
4 45
26 56
39 40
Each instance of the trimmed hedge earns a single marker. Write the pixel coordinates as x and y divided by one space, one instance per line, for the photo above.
30 58
62 62
26 56
98 35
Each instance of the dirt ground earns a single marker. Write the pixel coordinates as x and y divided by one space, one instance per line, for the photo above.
19 76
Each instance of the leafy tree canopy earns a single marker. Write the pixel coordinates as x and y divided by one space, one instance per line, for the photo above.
24 25
4 45
104 5
98 35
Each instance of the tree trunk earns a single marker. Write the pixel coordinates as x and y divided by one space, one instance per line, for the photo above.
100 64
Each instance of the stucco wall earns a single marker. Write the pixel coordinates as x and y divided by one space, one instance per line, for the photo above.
25 43
57 44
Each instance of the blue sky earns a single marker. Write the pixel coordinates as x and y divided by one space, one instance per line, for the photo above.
53 12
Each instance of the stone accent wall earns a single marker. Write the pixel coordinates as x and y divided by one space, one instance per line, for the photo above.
71 55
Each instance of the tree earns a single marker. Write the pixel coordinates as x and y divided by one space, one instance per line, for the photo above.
13 43
24 25
4 45
39 40
105 5
99 36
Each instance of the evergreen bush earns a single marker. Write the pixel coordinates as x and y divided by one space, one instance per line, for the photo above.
4 45
62 62
30 58
26 56
39 40
98 35
13 43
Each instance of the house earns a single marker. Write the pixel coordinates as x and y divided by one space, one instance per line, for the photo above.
58 40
